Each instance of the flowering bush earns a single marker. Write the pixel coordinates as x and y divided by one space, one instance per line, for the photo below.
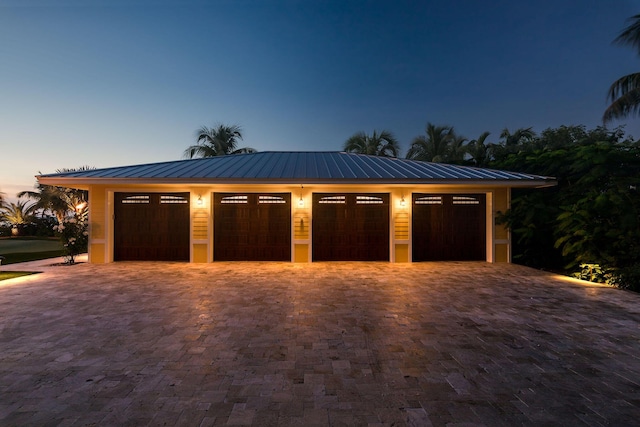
74 234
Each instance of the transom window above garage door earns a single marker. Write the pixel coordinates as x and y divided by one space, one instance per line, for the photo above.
332 200
466 200
428 200
271 199
235 200
369 200
137 199
166 199
144 199
456 200
360 200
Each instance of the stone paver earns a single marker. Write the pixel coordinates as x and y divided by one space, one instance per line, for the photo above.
341 344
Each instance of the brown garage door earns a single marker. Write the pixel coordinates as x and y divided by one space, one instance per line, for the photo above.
151 227
252 227
350 227
449 227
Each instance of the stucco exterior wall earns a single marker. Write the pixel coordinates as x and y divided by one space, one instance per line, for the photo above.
502 235
98 226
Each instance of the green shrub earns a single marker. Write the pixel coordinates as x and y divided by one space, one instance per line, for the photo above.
628 278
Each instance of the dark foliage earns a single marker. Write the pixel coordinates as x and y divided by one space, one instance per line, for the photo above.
592 217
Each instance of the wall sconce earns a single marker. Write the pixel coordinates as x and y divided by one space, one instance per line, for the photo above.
200 202
301 200
403 203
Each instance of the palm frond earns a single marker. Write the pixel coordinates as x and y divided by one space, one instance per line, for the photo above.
630 36
626 105
29 194
378 144
624 94
18 213
483 136
387 144
623 85
244 150
199 150
217 141
518 137
418 149
357 143
81 168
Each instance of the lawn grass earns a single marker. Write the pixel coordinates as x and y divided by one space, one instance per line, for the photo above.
4 275
29 256
21 249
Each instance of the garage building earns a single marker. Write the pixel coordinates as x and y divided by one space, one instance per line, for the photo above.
299 207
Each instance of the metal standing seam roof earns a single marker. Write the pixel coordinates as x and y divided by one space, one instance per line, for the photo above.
321 167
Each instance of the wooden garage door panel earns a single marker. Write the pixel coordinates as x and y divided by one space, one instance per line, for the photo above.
449 227
252 227
151 227
350 227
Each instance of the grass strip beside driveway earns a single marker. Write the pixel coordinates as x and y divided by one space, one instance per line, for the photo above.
4 275
22 249
29 256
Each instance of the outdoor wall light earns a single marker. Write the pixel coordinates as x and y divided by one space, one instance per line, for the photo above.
301 201
403 203
200 202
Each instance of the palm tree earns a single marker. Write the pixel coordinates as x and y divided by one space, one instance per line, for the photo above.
519 137
379 144
458 148
57 200
432 147
217 141
512 142
624 93
17 214
479 151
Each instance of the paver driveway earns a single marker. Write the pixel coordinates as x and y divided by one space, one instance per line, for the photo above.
319 344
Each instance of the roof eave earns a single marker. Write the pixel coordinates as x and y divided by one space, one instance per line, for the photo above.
84 183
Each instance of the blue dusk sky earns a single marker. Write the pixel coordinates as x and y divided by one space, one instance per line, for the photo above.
120 82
